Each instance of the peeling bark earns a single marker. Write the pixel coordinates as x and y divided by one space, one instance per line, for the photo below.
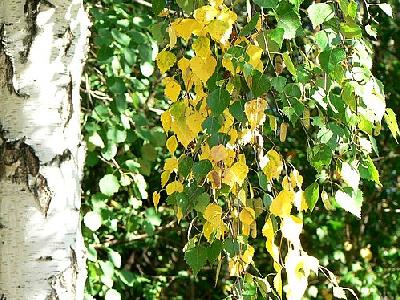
42 48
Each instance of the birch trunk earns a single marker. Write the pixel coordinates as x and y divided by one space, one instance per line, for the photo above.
43 44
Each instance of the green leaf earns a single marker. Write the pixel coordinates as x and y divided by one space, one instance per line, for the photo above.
158 6
319 156
288 19
196 258
311 194
231 246
214 250
390 118
218 100
279 83
330 58
185 165
289 64
350 201
320 13
249 27
260 84
187 6
201 202
267 3
237 111
351 30
109 185
212 124
368 171
201 169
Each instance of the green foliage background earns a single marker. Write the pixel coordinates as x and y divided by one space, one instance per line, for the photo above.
136 253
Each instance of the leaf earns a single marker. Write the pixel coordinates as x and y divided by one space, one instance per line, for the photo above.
311 193
320 13
214 250
319 156
201 202
267 3
260 84
196 258
109 185
92 220
350 175
339 292
186 5
330 58
156 199
282 204
172 88
350 201
368 171
165 60
201 169
288 19
185 166
289 64
390 118
172 144
203 67
247 215
249 27
218 100
387 9
112 294
173 187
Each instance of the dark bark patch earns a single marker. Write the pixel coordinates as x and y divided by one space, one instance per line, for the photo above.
20 165
7 69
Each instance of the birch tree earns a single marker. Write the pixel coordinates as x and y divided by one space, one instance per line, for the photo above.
42 49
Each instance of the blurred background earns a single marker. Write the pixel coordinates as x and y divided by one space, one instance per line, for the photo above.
134 251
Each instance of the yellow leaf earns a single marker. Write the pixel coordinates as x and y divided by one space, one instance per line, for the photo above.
172 88
282 204
185 27
278 284
156 199
194 121
237 173
164 178
202 46
268 230
203 67
219 153
215 178
165 60
254 53
166 120
179 214
247 215
172 37
184 66
171 164
205 14
182 131
213 213
247 256
219 31
173 187
291 228
254 111
274 166
172 144
296 179
228 64
205 152
216 3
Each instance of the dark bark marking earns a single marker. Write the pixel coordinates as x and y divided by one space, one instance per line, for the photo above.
7 69
70 107
31 10
19 163
45 258
3 297
59 158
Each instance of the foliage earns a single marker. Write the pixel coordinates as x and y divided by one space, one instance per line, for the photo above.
222 92
281 89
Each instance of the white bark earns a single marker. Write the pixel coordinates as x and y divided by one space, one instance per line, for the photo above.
43 43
